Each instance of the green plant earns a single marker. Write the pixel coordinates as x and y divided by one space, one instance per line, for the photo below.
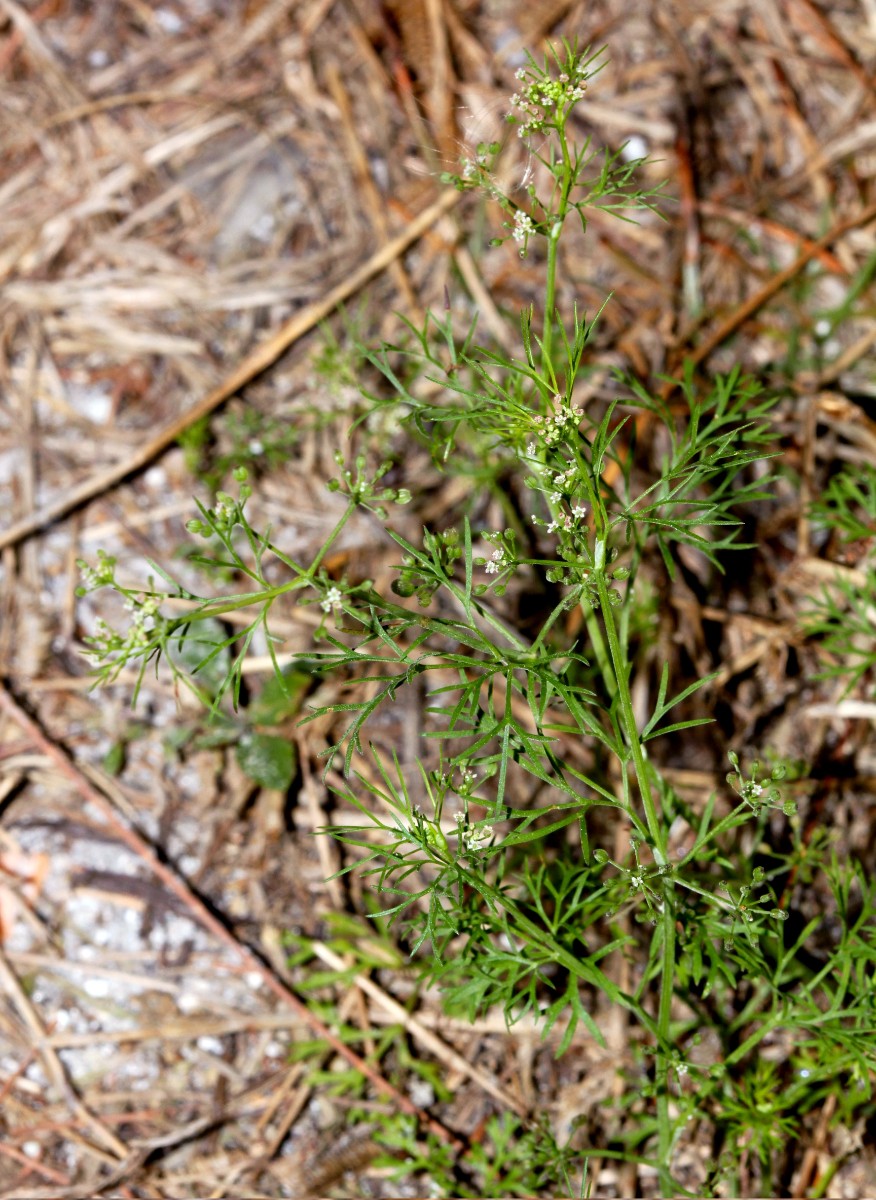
263 752
843 614
250 439
496 859
511 1159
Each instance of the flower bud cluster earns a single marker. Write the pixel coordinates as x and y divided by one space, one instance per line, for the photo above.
543 101
638 879
420 579
363 489
748 908
755 794
101 575
467 782
477 172
474 838
226 511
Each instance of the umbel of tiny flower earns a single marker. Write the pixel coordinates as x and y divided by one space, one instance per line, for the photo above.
477 171
564 420
502 561
101 575
226 511
473 838
361 487
332 600
522 230
748 908
146 625
467 781
759 795
545 98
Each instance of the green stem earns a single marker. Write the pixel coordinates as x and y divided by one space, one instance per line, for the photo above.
550 298
664 1017
215 608
332 537
658 841
597 641
553 238
622 682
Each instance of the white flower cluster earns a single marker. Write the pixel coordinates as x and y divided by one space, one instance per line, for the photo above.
478 839
503 558
473 839
541 99
332 600
144 619
523 226
104 641
562 522
566 521
143 610
551 428
564 481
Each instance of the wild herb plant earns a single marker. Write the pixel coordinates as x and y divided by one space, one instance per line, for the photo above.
500 857
253 440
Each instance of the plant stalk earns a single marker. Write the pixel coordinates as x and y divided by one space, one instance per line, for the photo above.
658 845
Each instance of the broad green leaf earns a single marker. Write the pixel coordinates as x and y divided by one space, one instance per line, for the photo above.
267 759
